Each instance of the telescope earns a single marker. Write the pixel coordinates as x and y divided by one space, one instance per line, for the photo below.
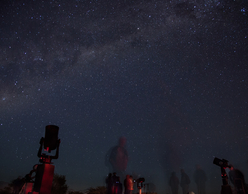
51 137
223 164
140 180
45 171
140 184
50 142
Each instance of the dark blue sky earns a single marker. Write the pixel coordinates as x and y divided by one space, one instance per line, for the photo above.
170 76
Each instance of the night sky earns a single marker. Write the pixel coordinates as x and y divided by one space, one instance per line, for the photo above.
170 76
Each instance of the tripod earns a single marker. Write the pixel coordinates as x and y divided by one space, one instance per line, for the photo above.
225 188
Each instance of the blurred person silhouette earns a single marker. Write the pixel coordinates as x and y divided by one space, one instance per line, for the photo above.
128 184
119 186
238 180
109 183
116 185
185 181
118 158
174 183
200 179
132 184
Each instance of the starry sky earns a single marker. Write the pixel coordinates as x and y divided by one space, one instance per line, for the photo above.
170 76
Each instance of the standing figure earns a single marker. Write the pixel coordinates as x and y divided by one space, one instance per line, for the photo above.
237 179
174 183
185 181
119 157
119 186
200 179
128 184
109 183
116 185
